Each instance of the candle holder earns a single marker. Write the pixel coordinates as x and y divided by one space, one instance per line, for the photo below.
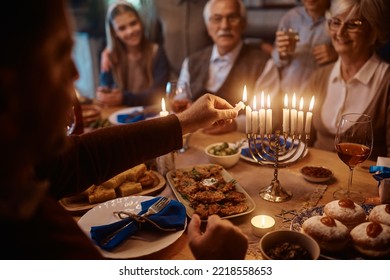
277 150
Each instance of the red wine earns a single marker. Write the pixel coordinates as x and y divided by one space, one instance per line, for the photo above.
352 154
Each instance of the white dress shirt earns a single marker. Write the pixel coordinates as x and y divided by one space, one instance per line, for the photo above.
351 96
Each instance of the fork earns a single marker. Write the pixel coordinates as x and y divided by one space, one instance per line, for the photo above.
153 209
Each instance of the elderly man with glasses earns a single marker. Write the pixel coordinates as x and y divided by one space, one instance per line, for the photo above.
359 81
227 66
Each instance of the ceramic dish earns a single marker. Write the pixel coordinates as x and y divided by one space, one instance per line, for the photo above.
77 206
283 160
316 174
349 253
226 176
113 118
142 243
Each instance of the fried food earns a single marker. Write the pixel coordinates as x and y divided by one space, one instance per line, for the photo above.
128 188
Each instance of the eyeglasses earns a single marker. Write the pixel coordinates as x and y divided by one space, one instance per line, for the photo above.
352 25
232 19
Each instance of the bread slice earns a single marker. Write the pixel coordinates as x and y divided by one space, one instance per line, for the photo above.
129 188
101 194
135 173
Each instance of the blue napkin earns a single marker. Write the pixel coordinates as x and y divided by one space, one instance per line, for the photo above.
173 216
130 118
246 153
382 172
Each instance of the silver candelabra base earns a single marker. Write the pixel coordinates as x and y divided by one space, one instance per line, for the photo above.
277 150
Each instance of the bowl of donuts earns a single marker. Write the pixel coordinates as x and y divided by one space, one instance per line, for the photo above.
346 230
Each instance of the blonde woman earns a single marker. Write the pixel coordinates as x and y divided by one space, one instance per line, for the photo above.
139 69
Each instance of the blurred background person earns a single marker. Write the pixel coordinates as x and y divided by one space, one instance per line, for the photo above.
229 64
139 69
302 44
359 81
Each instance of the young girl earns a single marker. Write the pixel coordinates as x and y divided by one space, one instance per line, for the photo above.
139 69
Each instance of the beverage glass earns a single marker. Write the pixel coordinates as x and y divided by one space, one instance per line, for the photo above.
179 98
293 38
353 143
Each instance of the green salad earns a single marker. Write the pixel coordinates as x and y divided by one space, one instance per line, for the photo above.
222 150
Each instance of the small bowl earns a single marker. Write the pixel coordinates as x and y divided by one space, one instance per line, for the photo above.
226 161
316 174
291 244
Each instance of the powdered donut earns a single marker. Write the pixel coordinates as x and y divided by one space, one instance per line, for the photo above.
371 239
346 211
380 214
330 234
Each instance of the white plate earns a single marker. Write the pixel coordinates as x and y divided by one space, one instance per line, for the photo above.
142 243
283 160
113 118
227 177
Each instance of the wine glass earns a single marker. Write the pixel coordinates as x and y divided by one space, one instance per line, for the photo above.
353 143
179 98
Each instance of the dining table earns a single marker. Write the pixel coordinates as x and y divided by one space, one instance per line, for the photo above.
253 177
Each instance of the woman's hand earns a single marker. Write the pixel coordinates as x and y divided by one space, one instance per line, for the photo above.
220 240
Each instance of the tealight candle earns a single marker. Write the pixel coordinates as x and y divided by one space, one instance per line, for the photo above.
262 224
164 111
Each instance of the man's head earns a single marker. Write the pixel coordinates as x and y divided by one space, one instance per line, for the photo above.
225 21
37 76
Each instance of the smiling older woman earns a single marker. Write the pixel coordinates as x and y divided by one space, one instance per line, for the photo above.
359 81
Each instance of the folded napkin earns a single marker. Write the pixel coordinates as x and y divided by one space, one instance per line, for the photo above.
382 175
173 216
130 118
245 151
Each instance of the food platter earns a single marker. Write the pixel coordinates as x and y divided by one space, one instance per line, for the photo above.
82 206
226 176
142 243
349 253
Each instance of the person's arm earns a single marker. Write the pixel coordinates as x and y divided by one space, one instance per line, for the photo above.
95 157
220 240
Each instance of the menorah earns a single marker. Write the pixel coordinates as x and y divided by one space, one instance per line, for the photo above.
277 150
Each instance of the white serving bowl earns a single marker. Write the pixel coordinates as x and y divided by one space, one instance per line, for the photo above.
316 174
226 161
276 238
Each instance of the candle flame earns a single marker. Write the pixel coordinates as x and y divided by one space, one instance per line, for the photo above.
262 222
244 95
311 104
301 104
163 108
293 101
262 99
254 102
268 102
285 101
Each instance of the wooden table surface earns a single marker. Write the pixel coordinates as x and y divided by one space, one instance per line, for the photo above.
252 177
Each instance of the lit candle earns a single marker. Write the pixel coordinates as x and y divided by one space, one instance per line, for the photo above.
164 111
241 105
262 116
268 126
262 224
293 115
255 117
300 116
286 115
248 113
309 115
